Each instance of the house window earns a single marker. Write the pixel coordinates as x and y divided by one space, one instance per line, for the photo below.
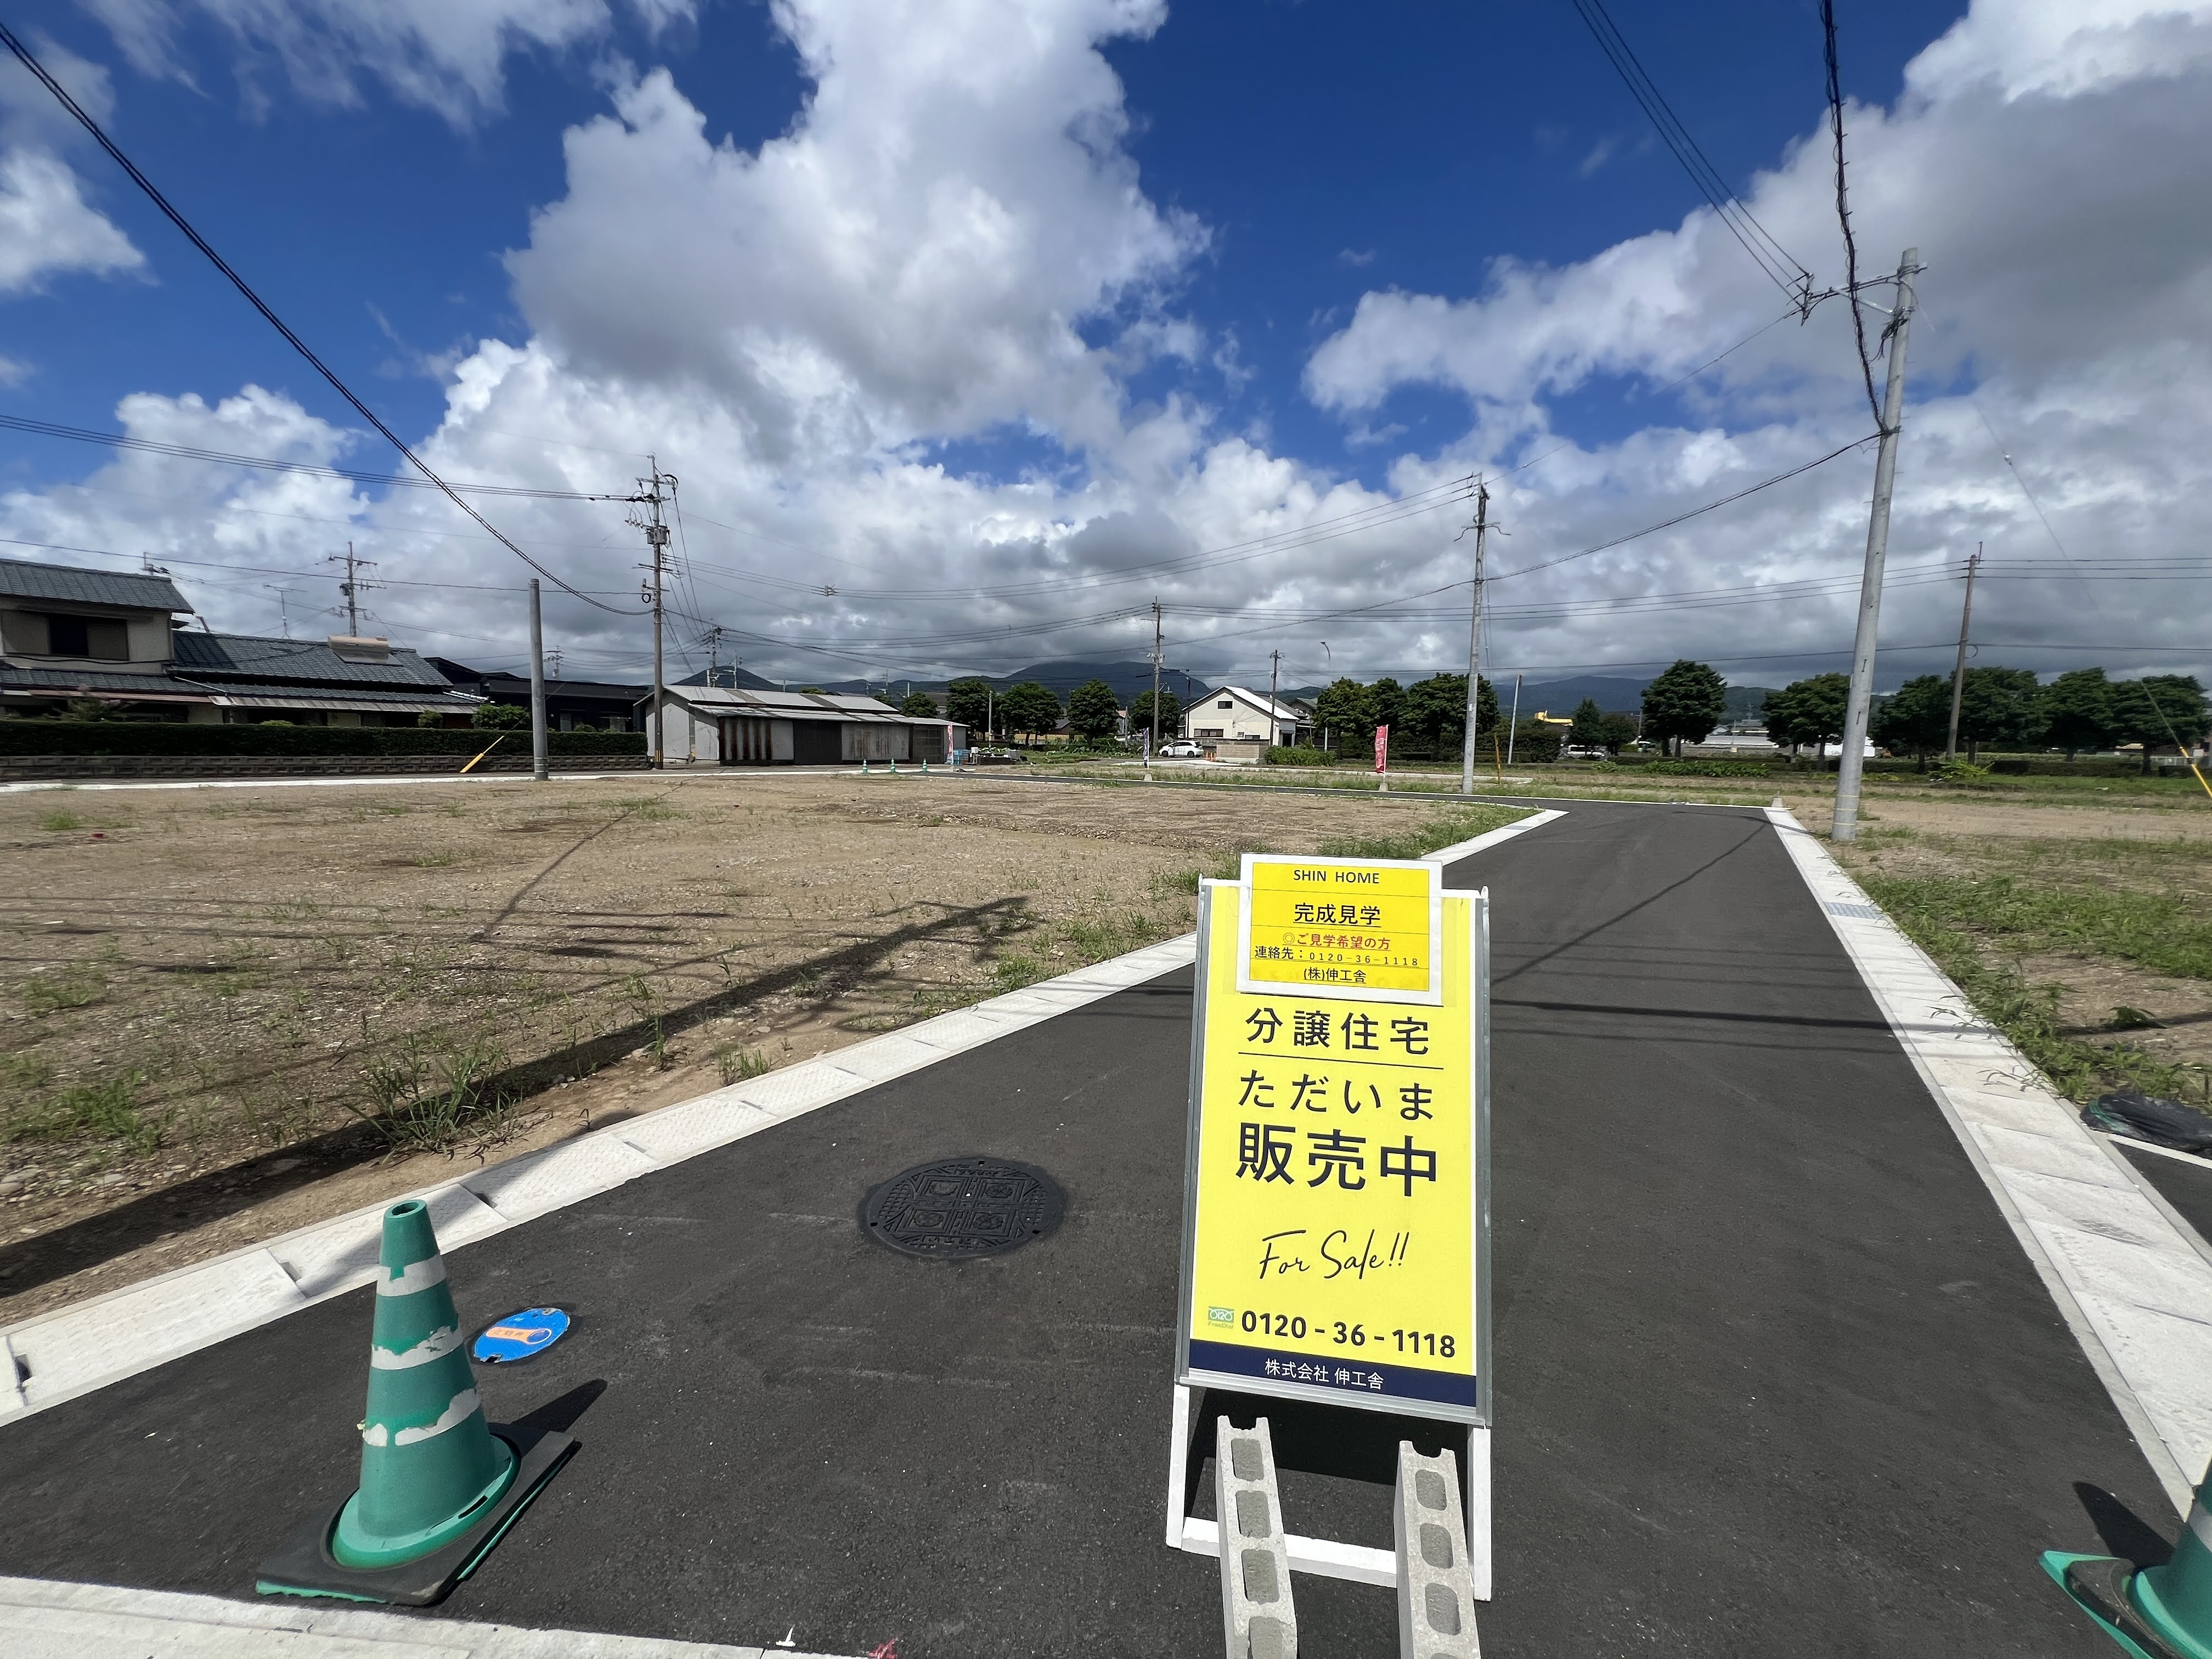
1209 731
96 637
1224 704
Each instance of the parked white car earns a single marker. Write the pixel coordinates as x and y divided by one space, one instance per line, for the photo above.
1182 749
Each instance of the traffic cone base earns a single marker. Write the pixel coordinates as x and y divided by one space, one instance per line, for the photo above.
307 1564
354 1544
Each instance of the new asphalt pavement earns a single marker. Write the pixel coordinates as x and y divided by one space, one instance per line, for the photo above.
1773 1376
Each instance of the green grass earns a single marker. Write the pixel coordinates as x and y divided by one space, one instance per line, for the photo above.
105 1110
737 1064
73 985
430 1094
2161 932
1445 827
61 821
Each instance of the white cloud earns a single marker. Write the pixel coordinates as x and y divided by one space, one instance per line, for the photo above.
46 228
449 56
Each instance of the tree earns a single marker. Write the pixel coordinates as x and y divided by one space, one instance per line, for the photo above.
1997 705
919 704
1028 708
2158 711
1141 716
1093 711
2076 709
1386 703
1589 728
1685 702
1808 711
1436 711
968 703
498 717
1917 718
1617 731
1345 712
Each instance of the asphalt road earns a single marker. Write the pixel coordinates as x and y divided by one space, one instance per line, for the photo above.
1774 1376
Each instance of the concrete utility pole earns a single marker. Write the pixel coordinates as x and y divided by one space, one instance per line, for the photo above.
1156 688
352 585
1959 668
1513 725
1274 679
540 767
1850 766
650 497
1475 643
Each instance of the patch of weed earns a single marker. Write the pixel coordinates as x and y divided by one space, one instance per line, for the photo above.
737 1064
73 985
57 821
1445 827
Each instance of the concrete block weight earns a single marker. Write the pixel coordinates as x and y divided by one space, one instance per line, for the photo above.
1436 1591
1258 1621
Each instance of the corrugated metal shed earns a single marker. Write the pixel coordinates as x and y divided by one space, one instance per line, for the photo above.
23 579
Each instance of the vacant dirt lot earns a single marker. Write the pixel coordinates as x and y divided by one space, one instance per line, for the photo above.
234 1010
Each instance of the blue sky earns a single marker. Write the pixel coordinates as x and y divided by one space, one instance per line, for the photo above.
966 309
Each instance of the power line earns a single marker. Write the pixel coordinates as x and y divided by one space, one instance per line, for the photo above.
1843 204
38 70
1771 258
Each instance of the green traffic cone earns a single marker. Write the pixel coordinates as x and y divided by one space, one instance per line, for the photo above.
440 1486
2154 1612
428 1461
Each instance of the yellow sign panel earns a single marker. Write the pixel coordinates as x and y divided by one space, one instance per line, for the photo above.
1363 929
1337 1194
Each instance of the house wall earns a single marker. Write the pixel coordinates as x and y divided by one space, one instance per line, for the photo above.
23 631
858 742
1208 721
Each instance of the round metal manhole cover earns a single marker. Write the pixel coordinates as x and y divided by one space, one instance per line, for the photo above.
953 1209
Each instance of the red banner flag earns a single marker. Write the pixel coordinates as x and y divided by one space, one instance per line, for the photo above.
1382 749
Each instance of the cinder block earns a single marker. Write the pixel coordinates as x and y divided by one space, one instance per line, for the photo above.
1258 1621
1436 1592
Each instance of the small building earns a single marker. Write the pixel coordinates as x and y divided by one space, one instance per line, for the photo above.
570 705
1235 724
116 640
712 726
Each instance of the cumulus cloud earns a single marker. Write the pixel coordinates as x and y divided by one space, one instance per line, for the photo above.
47 230
449 56
892 356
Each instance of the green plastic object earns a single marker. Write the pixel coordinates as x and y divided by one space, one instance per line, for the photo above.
430 1463
2153 1613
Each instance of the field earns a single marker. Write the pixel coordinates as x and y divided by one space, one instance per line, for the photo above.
234 1010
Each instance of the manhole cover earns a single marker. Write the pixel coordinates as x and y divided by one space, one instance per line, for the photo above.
953 1208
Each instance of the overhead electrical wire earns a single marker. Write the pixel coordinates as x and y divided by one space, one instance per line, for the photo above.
39 70
1771 258
124 440
1842 202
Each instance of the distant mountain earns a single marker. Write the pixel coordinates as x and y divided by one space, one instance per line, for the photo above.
1060 675
731 679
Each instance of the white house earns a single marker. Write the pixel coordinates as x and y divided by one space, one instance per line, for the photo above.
716 725
1230 714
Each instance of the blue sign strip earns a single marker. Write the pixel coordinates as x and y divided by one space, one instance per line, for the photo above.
1369 1378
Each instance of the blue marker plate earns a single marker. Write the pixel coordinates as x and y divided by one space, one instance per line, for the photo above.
520 1336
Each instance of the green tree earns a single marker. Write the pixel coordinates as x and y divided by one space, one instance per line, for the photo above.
1998 705
1093 711
1345 712
1617 731
968 702
2076 709
1028 708
1809 710
1436 711
2158 710
1590 724
1917 718
1141 716
919 704
1386 703
1685 703
498 717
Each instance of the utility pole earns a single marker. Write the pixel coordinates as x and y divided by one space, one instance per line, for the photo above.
283 608
650 498
1959 668
1274 678
540 768
990 712
1850 768
1156 689
1475 643
1513 726
353 586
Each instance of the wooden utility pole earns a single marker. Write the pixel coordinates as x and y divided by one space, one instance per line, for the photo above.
1959 669
1851 766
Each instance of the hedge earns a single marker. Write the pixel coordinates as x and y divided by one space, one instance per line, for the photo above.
44 736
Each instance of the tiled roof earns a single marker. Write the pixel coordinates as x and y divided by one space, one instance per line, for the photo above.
23 578
223 655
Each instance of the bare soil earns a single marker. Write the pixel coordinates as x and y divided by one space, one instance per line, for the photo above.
238 1011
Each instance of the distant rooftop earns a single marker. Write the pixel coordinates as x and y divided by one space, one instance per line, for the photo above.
262 659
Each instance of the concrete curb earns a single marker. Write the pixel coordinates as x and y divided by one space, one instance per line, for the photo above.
2133 1281
1459 850
44 1620
75 1350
